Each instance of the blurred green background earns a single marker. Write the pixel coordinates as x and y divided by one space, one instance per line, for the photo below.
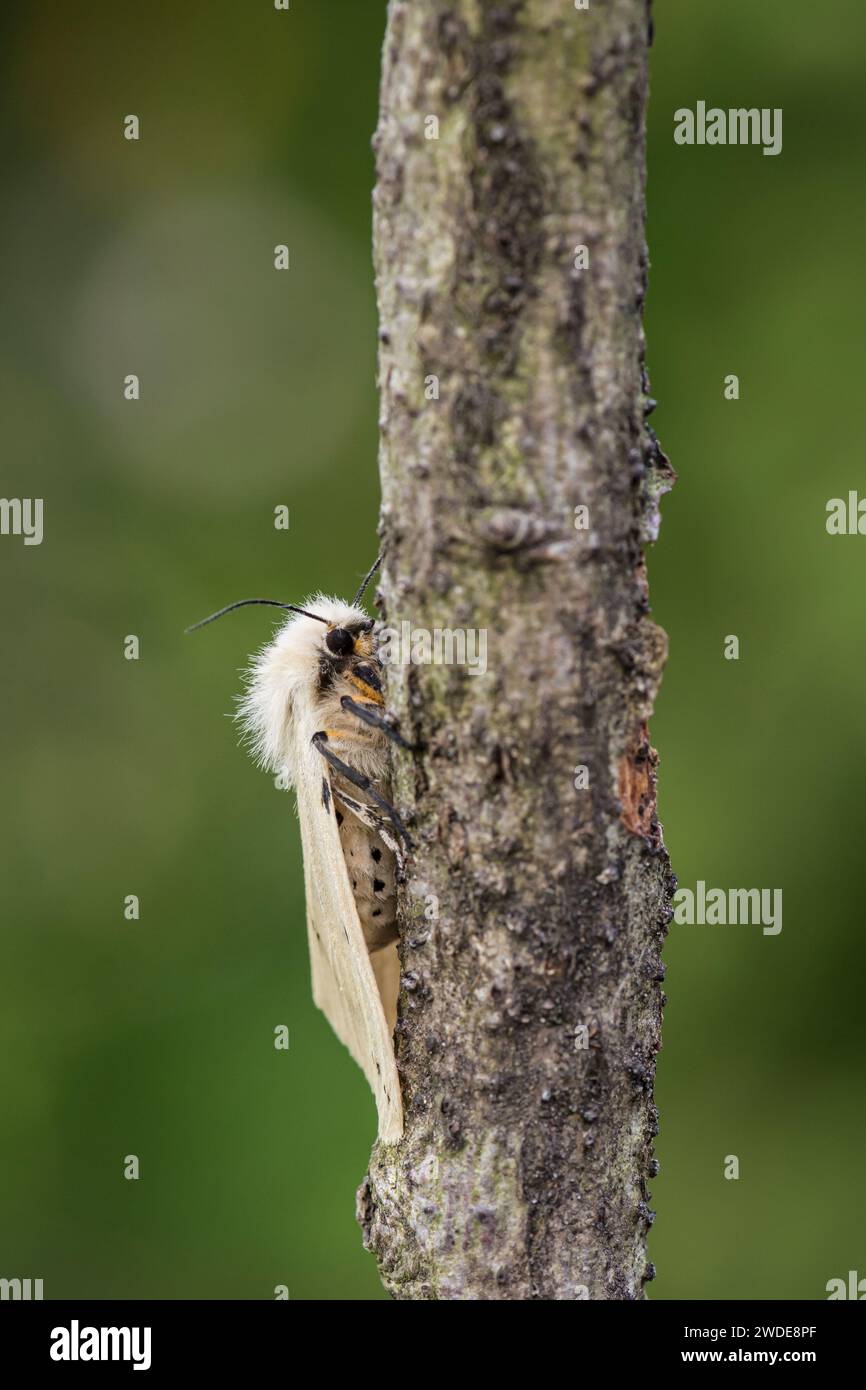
156 1037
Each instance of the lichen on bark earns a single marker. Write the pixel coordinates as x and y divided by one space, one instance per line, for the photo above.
513 391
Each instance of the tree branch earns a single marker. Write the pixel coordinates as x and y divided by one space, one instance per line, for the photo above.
531 1002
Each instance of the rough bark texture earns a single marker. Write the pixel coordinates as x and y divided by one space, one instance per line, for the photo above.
528 1143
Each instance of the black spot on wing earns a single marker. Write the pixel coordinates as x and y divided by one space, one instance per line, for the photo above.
376 854
339 817
378 885
326 794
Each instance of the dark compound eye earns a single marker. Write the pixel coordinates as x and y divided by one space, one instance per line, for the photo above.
340 641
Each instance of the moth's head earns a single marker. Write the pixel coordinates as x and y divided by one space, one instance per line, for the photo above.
349 633
284 683
326 630
284 680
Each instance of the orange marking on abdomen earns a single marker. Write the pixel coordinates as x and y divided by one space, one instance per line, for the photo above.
374 697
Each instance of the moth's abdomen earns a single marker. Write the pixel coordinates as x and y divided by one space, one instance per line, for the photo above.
371 866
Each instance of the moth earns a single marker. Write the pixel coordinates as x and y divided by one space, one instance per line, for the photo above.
313 711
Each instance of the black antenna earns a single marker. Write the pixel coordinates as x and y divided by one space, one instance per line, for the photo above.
360 594
272 602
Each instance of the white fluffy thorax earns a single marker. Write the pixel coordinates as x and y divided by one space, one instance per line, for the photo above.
282 703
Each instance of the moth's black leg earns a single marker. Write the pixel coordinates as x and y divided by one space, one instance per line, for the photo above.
372 717
363 810
369 816
320 743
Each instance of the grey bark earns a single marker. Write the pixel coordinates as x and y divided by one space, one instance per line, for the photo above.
531 1001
